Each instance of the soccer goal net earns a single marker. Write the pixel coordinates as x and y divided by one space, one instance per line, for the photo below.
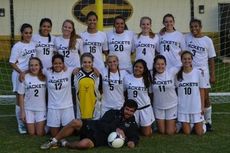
215 19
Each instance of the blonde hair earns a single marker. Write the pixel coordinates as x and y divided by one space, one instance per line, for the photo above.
151 34
107 59
110 56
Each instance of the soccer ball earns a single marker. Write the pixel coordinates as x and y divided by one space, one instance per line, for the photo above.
115 140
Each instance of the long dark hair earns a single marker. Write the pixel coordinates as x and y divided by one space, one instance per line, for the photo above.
86 55
41 76
61 57
180 72
195 21
122 18
154 62
91 13
24 26
43 20
165 16
146 73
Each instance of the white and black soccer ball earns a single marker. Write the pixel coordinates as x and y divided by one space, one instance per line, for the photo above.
115 140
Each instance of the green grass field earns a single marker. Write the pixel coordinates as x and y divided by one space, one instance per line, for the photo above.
212 142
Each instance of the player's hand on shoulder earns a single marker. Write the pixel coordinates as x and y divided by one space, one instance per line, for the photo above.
21 77
76 70
96 72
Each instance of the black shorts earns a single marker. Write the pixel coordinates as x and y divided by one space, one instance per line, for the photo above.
97 137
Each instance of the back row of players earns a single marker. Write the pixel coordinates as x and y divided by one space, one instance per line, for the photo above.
175 67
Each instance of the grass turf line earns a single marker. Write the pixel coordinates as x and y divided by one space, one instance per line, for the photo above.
212 142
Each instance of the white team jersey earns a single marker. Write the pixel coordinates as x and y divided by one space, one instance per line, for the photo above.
189 100
95 44
164 93
137 90
21 53
72 57
35 92
201 48
170 45
145 49
113 93
44 49
122 45
59 88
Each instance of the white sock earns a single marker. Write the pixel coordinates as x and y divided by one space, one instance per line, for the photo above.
55 140
204 128
208 115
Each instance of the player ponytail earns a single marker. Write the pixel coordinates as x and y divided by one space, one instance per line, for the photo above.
23 27
180 72
43 20
110 56
163 30
73 36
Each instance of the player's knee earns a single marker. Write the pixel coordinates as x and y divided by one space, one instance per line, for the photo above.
76 123
86 144
40 133
147 132
31 133
161 131
170 131
186 131
199 132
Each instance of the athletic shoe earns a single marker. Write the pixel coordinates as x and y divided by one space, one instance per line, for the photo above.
22 129
50 144
209 127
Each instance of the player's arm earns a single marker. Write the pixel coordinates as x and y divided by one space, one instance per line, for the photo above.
105 47
211 62
15 67
120 132
22 75
132 135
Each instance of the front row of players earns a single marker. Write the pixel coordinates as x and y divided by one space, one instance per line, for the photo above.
187 106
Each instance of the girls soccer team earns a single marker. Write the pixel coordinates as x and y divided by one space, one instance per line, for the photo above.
170 87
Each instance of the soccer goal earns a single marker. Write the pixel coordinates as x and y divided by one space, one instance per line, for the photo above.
215 19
